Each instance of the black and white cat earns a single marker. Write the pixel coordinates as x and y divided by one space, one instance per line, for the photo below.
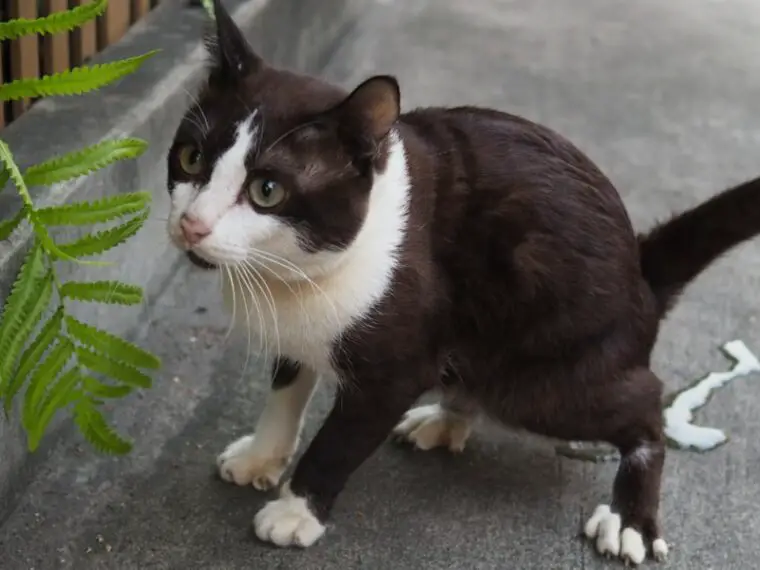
459 249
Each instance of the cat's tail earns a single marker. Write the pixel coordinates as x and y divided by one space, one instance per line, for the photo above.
676 251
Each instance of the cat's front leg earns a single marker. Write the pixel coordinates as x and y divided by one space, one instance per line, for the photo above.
261 458
361 418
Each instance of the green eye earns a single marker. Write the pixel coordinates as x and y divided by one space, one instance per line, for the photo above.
191 160
266 193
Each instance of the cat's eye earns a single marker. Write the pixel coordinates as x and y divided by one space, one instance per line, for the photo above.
191 159
266 193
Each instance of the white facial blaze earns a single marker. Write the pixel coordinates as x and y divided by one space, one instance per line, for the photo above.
227 178
328 291
235 226
296 303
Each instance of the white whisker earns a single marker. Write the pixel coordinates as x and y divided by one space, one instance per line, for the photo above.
286 264
269 298
227 271
243 278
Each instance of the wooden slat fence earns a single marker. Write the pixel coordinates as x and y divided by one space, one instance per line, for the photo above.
32 56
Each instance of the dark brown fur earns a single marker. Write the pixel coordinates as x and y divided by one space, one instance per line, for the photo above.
521 285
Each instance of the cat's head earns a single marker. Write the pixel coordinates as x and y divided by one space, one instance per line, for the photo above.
274 167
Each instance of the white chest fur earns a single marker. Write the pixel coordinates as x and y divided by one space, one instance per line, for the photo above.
302 319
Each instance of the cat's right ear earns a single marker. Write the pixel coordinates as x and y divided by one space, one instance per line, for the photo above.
232 57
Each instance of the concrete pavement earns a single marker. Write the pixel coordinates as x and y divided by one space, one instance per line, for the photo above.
664 96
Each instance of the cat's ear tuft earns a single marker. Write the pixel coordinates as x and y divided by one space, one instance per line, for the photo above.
232 56
375 104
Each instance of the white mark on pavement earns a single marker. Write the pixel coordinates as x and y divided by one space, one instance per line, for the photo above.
680 413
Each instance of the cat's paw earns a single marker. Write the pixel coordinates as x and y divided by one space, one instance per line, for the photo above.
604 526
288 521
246 462
432 426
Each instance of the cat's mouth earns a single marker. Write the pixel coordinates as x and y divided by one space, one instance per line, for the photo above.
198 261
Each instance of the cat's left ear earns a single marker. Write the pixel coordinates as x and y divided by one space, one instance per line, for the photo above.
232 56
373 107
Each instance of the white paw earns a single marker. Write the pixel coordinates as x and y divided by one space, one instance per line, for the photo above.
432 426
246 463
288 522
660 549
605 527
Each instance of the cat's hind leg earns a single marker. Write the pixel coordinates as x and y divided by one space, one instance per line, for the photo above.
260 459
629 526
444 424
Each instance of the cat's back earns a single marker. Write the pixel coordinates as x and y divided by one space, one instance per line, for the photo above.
475 168
518 212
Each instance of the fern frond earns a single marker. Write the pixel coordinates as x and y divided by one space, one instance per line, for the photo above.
7 227
96 430
33 311
6 156
57 397
39 229
100 242
13 328
54 23
209 6
32 356
115 369
84 161
48 370
94 212
113 292
101 390
72 81
110 345
4 175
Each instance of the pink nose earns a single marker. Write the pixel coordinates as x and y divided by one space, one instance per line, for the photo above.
193 229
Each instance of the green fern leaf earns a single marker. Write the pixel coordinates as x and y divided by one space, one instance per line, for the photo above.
121 371
54 23
95 212
7 227
72 81
44 376
32 356
99 242
4 175
81 162
101 390
58 396
96 430
6 156
13 332
110 345
209 6
113 292
39 229
33 311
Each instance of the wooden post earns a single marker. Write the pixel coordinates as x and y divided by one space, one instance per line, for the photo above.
113 24
24 51
55 48
139 9
83 40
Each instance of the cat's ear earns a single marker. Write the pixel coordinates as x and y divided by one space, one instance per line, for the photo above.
374 106
232 56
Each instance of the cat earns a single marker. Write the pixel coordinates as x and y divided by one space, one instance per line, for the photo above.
462 249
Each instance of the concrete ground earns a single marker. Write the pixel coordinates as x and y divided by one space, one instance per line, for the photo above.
664 96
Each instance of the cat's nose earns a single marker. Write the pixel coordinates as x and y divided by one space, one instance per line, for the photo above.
193 229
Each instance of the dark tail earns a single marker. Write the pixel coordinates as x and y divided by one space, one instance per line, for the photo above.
675 252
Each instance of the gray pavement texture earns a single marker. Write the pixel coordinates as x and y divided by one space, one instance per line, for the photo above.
664 96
